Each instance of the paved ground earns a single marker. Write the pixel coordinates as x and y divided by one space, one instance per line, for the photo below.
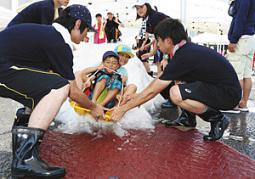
240 134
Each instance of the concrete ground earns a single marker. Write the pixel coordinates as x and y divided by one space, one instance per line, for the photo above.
240 134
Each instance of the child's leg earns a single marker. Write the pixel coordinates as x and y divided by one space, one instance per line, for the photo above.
99 87
147 66
111 94
128 93
113 89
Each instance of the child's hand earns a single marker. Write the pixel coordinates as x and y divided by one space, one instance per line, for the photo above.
100 67
123 78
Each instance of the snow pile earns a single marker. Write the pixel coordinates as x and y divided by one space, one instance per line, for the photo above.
138 118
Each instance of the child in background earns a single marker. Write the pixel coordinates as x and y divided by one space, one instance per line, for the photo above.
100 36
125 54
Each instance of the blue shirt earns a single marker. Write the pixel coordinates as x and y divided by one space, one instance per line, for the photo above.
243 22
37 46
41 12
122 71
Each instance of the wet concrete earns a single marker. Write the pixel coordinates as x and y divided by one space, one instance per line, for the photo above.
165 153
240 134
82 150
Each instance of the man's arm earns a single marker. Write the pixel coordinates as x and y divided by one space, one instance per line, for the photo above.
154 88
76 95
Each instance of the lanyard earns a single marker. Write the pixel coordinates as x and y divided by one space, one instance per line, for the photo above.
179 45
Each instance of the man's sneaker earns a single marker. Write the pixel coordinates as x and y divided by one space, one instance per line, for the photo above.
244 109
217 129
186 119
168 104
232 111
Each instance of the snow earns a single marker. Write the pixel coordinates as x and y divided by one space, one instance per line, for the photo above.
89 54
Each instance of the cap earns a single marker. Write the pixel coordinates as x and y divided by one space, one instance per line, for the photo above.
78 11
141 2
124 49
110 54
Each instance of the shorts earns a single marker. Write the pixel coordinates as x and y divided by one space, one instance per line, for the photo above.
215 96
29 85
242 58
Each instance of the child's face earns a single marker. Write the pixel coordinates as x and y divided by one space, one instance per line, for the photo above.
111 64
123 58
99 18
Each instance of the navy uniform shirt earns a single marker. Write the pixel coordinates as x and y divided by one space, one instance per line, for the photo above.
154 18
37 46
41 12
243 22
197 63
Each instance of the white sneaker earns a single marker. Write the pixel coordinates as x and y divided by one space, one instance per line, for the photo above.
232 111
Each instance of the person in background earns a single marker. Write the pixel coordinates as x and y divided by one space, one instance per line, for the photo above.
111 28
242 46
150 18
205 82
37 71
99 36
42 12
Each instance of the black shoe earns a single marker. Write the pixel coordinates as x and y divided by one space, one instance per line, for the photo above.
26 160
186 119
217 129
150 73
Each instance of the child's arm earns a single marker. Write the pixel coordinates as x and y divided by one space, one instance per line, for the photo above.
124 79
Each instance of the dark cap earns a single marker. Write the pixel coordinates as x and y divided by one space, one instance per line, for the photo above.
110 54
78 11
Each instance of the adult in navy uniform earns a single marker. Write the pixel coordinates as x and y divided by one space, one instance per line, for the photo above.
150 18
36 70
42 12
206 81
241 46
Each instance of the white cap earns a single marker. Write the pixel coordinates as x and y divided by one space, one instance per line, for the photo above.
141 2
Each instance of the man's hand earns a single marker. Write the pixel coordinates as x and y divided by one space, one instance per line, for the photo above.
117 114
231 47
98 112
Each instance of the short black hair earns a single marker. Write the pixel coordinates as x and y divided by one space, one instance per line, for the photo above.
98 15
149 10
172 28
69 22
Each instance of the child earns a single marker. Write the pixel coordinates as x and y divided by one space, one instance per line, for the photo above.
125 54
105 76
100 36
